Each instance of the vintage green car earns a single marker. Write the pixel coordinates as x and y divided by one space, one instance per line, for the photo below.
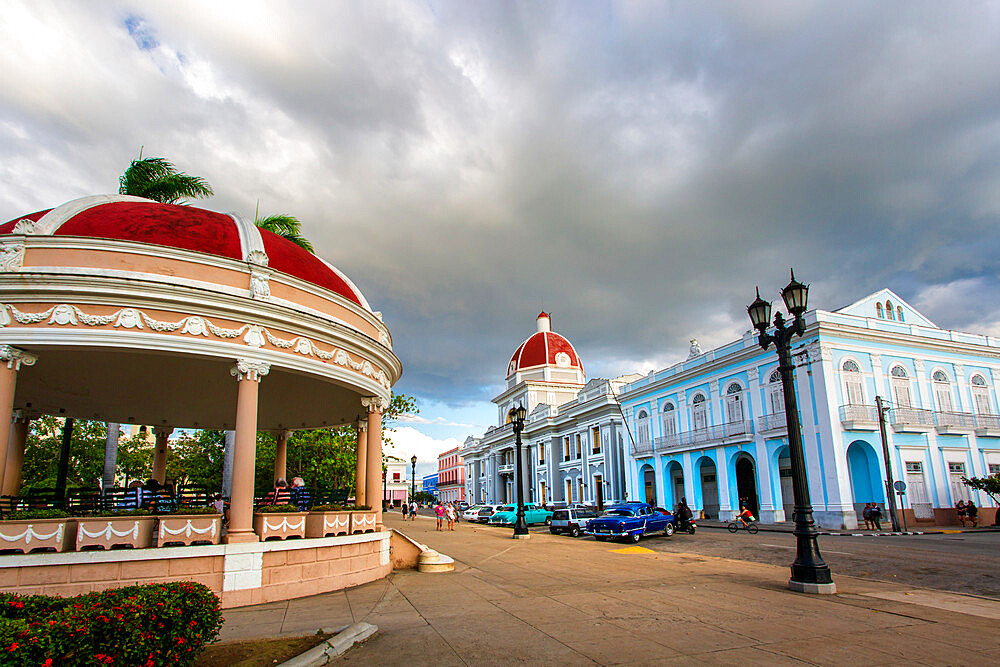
507 515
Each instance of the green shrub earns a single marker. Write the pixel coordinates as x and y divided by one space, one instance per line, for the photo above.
184 509
114 513
361 508
276 509
151 625
328 508
26 515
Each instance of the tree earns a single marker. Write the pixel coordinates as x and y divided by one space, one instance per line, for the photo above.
285 226
135 459
157 179
41 454
990 486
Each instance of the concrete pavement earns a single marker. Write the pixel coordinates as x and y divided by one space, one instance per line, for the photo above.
556 600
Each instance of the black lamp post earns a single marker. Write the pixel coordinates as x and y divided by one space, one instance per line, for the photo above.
516 419
810 574
413 477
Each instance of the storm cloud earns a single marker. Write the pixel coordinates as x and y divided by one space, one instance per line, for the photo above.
634 168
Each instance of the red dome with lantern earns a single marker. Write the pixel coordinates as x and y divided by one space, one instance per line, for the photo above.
545 348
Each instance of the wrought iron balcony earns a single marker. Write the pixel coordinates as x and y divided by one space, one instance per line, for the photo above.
771 423
642 447
857 417
988 425
506 469
728 433
955 422
913 420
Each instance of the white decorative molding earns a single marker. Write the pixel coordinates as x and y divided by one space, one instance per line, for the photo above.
258 257
188 530
876 360
959 371
285 524
193 325
24 226
383 338
250 369
375 404
108 531
251 243
362 424
31 534
918 364
337 522
16 357
11 256
259 283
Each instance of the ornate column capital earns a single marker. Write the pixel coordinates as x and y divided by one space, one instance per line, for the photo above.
959 371
362 424
919 365
22 416
374 404
876 361
15 357
283 434
250 369
163 431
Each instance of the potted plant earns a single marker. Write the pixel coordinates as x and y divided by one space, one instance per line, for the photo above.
328 520
189 525
279 522
124 529
37 530
363 519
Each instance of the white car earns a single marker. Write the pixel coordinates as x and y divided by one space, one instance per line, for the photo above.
472 513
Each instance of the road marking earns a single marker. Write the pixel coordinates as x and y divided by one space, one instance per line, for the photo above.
829 551
633 550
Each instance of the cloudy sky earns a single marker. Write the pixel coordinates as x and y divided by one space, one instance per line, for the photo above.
635 168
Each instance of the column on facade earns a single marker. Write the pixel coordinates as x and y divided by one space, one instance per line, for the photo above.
360 495
693 499
14 359
110 455
883 389
770 512
281 454
19 429
248 373
162 434
728 506
939 469
229 446
965 404
715 404
373 464
821 379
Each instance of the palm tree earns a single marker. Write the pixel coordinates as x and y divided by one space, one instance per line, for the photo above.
157 179
284 226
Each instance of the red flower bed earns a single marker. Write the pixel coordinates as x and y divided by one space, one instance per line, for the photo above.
154 624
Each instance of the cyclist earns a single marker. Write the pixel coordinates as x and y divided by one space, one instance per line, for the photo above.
744 517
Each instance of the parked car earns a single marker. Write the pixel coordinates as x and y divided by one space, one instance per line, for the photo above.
572 521
472 513
486 512
462 505
630 521
507 515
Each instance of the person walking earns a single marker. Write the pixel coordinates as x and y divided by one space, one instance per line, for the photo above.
876 516
972 512
439 512
450 513
413 510
960 510
866 514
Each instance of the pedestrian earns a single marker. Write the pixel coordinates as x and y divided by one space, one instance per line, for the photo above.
960 509
413 510
972 512
439 512
450 513
876 516
300 494
405 509
866 514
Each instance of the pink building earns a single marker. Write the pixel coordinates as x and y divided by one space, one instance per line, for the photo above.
451 476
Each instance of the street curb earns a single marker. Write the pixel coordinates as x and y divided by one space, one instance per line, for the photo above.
986 529
333 647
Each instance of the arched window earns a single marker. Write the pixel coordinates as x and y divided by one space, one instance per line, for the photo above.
900 387
853 382
734 403
878 310
888 310
942 391
981 395
668 419
699 412
775 393
899 313
642 427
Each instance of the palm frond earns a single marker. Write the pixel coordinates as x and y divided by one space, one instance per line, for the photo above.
157 179
287 227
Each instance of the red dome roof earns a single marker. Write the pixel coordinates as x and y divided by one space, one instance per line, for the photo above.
187 228
544 348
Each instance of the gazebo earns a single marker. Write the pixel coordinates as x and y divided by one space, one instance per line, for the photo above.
120 309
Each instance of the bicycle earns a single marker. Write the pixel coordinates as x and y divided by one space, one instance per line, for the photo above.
750 527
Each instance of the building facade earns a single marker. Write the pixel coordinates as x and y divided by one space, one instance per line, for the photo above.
573 444
430 484
712 428
451 476
396 483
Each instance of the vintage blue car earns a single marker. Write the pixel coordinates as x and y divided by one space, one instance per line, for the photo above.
630 521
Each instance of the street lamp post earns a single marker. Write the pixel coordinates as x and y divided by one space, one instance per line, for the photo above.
413 477
516 419
810 574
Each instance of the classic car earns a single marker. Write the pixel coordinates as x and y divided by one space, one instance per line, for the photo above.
630 521
507 515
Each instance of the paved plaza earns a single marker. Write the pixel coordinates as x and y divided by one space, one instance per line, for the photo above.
561 601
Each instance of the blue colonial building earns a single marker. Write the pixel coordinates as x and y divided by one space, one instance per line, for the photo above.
430 484
712 428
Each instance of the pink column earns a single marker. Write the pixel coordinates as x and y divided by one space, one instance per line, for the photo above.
281 455
8 382
373 475
15 454
248 373
359 481
160 453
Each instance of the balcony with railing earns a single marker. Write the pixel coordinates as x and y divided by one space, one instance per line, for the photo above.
729 433
955 422
642 447
988 426
772 424
910 420
856 417
506 469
